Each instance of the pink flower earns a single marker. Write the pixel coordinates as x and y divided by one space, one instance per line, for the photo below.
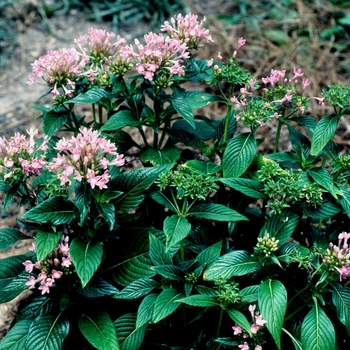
31 282
237 329
251 309
343 271
66 262
305 83
254 328
258 347
241 42
210 62
259 321
244 346
28 266
56 274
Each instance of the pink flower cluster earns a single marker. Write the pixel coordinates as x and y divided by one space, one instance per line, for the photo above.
18 156
258 323
188 29
52 268
338 256
58 69
84 158
158 52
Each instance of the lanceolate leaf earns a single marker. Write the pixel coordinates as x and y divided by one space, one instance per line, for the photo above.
92 96
166 304
236 263
324 179
157 252
202 167
323 133
240 319
176 228
160 198
199 300
97 287
136 289
130 336
250 294
217 212
134 184
16 338
210 254
248 187
272 297
184 109
52 121
107 210
47 332
281 226
324 211
55 211
238 155
86 257
45 243
10 236
145 310
99 331
119 120
167 155
341 300
344 200
317 331
12 266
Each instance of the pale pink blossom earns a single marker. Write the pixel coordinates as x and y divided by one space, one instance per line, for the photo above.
258 347
241 42
237 329
244 346
28 266
254 328
259 320
31 282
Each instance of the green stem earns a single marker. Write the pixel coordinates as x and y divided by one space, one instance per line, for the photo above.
94 113
227 122
182 251
100 114
175 201
263 213
297 310
297 294
278 134
144 138
220 322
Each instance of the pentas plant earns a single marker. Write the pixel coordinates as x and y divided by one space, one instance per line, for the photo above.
185 235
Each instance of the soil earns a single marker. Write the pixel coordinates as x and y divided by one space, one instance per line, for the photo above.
35 39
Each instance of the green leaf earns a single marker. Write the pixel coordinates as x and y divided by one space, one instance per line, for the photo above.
92 96
130 336
324 179
9 236
157 252
323 133
250 294
273 305
184 109
248 187
281 226
199 300
12 266
236 263
202 130
167 155
52 121
17 284
137 289
344 200
176 228
341 300
238 155
54 211
160 198
240 319
134 184
107 210
289 250
165 304
86 258
136 262
202 167
171 272
210 254
278 36
99 330
187 138
47 332
317 331
145 310
120 120
197 99
97 287
324 211
217 212
16 338
45 243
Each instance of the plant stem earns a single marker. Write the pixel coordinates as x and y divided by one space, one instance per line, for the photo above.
182 250
94 113
297 310
100 114
220 321
227 122
278 134
296 295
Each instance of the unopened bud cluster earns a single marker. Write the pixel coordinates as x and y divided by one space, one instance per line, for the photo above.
267 245
228 292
